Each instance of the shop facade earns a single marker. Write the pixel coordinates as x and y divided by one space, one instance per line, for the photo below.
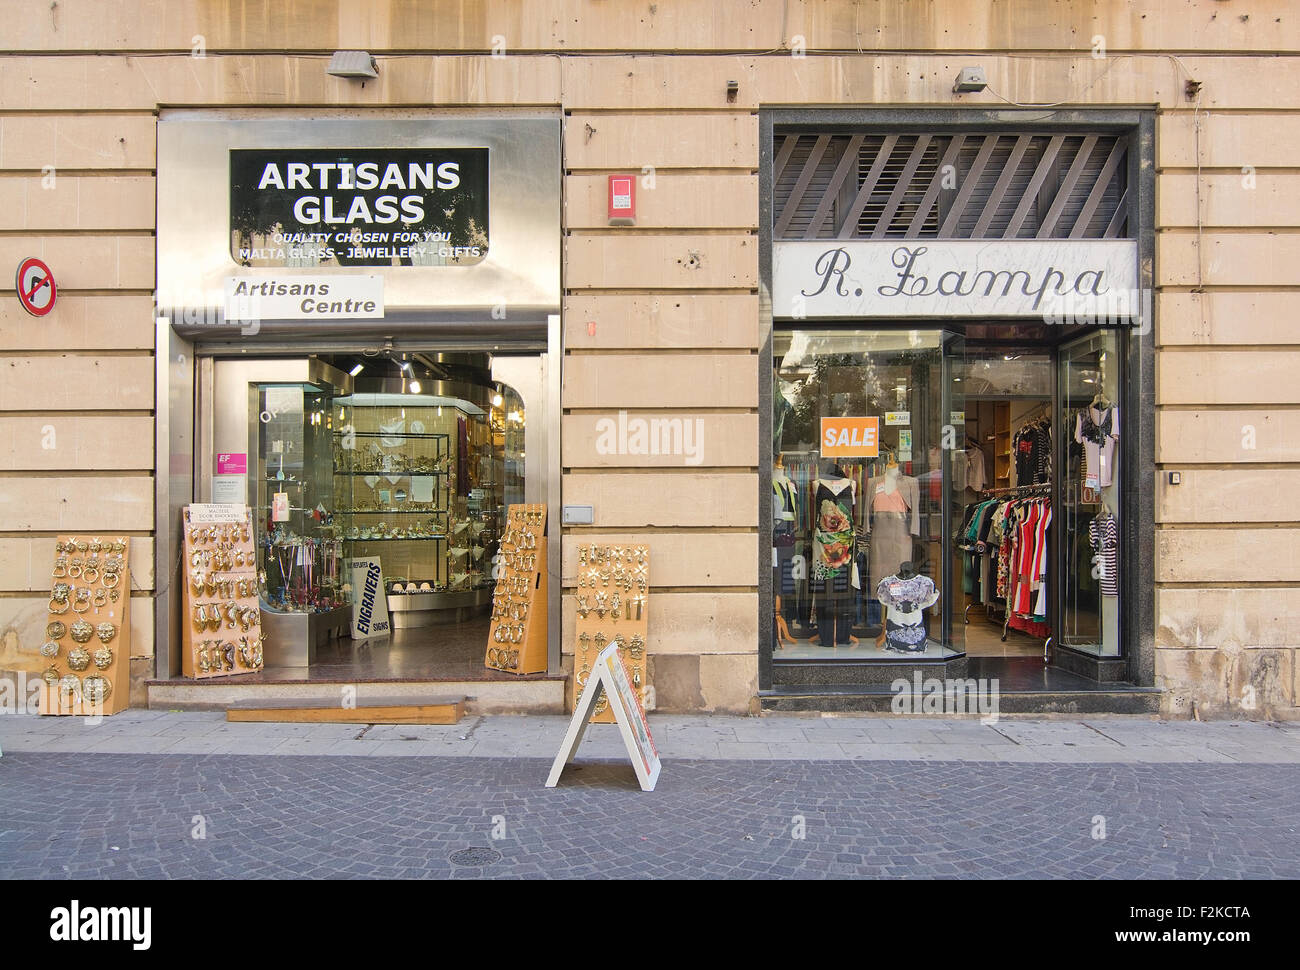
957 328
1170 159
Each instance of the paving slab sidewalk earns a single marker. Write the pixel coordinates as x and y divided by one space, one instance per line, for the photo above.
681 737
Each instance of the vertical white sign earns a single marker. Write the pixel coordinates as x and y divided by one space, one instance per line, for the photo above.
370 602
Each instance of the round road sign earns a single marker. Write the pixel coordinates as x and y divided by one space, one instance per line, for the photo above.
36 290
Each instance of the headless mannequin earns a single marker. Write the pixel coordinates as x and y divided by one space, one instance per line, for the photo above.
905 571
835 481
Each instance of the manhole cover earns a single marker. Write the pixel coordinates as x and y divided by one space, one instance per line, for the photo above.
474 857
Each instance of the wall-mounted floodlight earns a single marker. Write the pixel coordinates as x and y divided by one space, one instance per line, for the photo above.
353 64
970 79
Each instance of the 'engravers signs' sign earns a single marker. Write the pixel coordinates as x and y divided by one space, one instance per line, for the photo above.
956 278
359 207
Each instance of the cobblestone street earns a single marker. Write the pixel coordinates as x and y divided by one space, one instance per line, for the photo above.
867 808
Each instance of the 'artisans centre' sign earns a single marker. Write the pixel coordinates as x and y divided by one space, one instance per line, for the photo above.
359 207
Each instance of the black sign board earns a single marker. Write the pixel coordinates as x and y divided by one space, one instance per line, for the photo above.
359 207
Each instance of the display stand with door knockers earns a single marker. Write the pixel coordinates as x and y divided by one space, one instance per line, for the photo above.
223 619
612 607
88 635
517 638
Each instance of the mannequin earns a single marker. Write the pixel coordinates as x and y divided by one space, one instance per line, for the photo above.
894 504
905 595
834 577
784 502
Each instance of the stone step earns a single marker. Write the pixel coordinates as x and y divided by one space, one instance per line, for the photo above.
1129 700
329 710
541 695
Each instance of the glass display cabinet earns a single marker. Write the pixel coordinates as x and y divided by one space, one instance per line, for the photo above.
300 533
417 477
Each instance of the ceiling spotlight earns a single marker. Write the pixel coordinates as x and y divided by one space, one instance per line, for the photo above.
496 400
415 387
357 65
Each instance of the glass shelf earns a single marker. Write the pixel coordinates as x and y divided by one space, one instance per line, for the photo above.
421 436
395 511
399 474
397 539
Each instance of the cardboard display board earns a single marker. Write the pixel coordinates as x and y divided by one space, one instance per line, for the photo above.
222 620
88 634
369 604
610 682
612 607
517 638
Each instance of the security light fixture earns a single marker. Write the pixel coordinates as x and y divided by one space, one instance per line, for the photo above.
970 79
353 64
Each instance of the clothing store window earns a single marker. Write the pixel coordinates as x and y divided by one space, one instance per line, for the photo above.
1090 381
862 426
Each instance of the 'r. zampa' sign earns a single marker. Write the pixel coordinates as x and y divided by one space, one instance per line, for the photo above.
953 278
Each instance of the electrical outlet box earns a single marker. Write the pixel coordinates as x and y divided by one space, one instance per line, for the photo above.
578 515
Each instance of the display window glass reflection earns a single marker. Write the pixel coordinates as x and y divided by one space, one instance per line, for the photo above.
858 479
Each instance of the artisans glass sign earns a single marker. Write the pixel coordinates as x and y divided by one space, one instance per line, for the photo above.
359 207
957 278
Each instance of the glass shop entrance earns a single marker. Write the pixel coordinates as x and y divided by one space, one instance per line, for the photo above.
406 457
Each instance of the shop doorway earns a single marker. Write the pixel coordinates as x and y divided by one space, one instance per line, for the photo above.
409 457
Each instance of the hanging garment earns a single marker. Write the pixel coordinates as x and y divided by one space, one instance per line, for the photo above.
1103 531
783 511
1022 602
905 601
1098 430
1040 569
833 534
895 518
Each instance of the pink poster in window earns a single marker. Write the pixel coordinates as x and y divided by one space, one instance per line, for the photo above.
232 463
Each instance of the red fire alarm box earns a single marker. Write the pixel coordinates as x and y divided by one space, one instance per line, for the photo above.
622 200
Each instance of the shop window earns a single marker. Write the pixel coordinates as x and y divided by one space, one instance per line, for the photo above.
858 479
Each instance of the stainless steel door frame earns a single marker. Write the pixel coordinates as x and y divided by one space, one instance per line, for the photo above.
531 377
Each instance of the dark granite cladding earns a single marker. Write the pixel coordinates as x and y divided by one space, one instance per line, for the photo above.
1104 670
1024 686
821 673
1142 701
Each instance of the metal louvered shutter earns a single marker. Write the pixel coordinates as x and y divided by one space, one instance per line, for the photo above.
1001 185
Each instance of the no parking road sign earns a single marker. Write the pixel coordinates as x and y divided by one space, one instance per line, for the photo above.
35 285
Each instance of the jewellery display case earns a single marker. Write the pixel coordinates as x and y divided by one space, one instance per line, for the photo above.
612 607
304 599
417 477
517 637
88 635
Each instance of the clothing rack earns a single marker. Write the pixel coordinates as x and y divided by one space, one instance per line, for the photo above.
1014 492
1036 413
1019 489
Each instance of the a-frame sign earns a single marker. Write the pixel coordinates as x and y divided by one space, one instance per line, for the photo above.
610 678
